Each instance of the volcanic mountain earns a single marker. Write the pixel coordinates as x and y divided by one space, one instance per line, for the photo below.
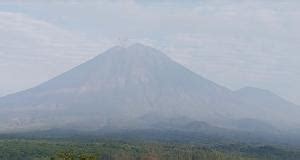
138 86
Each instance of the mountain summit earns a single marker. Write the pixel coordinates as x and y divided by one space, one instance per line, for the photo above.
122 86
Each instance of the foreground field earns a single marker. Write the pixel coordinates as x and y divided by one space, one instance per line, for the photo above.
62 149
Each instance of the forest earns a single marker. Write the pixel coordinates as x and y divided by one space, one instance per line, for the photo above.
106 149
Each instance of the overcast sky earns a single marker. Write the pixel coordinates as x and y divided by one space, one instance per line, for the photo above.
235 43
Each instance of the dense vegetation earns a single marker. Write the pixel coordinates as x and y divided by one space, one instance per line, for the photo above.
63 149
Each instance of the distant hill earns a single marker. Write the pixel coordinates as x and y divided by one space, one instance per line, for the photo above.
139 87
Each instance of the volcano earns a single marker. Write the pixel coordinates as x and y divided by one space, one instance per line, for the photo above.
138 86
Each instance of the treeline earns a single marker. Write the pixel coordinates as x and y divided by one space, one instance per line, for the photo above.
17 149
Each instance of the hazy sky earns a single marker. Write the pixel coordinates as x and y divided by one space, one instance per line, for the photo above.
235 43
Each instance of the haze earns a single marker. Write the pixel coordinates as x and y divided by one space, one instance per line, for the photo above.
234 43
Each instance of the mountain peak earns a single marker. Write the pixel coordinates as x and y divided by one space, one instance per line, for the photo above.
136 49
139 48
132 46
139 45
